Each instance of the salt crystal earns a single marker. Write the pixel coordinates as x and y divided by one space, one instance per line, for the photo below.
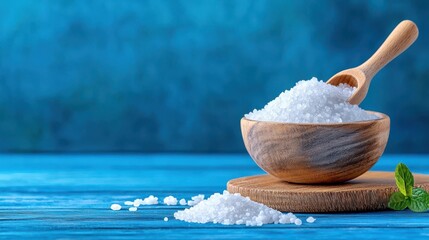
151 200
170 200
284 219
166 219
297 221
223 209
182 202
312 101
195 200
115 207
311 219
132 209
137 202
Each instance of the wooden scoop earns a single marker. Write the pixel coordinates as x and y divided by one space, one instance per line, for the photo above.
360 77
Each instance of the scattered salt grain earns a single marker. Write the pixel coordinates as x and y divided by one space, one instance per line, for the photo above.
115 207
137 202
231 209
182 202
311 219
195 200
170 200
312 101
151 200
297 221
166 219
132 209
129 203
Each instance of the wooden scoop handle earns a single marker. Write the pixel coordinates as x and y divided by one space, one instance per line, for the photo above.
398 41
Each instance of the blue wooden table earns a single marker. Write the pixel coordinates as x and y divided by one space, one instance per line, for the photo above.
68 196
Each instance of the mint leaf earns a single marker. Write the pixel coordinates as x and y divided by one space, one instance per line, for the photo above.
398 201
416 199
419 200
404 179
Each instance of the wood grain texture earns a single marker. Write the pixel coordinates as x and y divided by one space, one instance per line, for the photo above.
316 153
360 77
68 197
369 192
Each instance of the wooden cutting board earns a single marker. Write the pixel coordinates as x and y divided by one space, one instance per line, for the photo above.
369 192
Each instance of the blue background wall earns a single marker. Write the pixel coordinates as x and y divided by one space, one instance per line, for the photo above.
172 76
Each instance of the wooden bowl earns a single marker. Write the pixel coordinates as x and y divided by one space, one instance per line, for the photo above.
316 153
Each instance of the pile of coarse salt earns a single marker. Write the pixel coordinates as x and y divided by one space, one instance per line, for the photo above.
229 209
226 208
312 101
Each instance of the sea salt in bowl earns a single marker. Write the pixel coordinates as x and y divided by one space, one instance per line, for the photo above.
316 153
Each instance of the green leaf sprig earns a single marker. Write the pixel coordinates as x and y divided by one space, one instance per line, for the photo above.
416 199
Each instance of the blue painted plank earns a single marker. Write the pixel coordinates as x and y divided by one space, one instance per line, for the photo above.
223 233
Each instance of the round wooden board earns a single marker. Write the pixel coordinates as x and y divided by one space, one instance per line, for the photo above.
369 192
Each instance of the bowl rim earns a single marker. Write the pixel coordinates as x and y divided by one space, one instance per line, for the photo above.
382 117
